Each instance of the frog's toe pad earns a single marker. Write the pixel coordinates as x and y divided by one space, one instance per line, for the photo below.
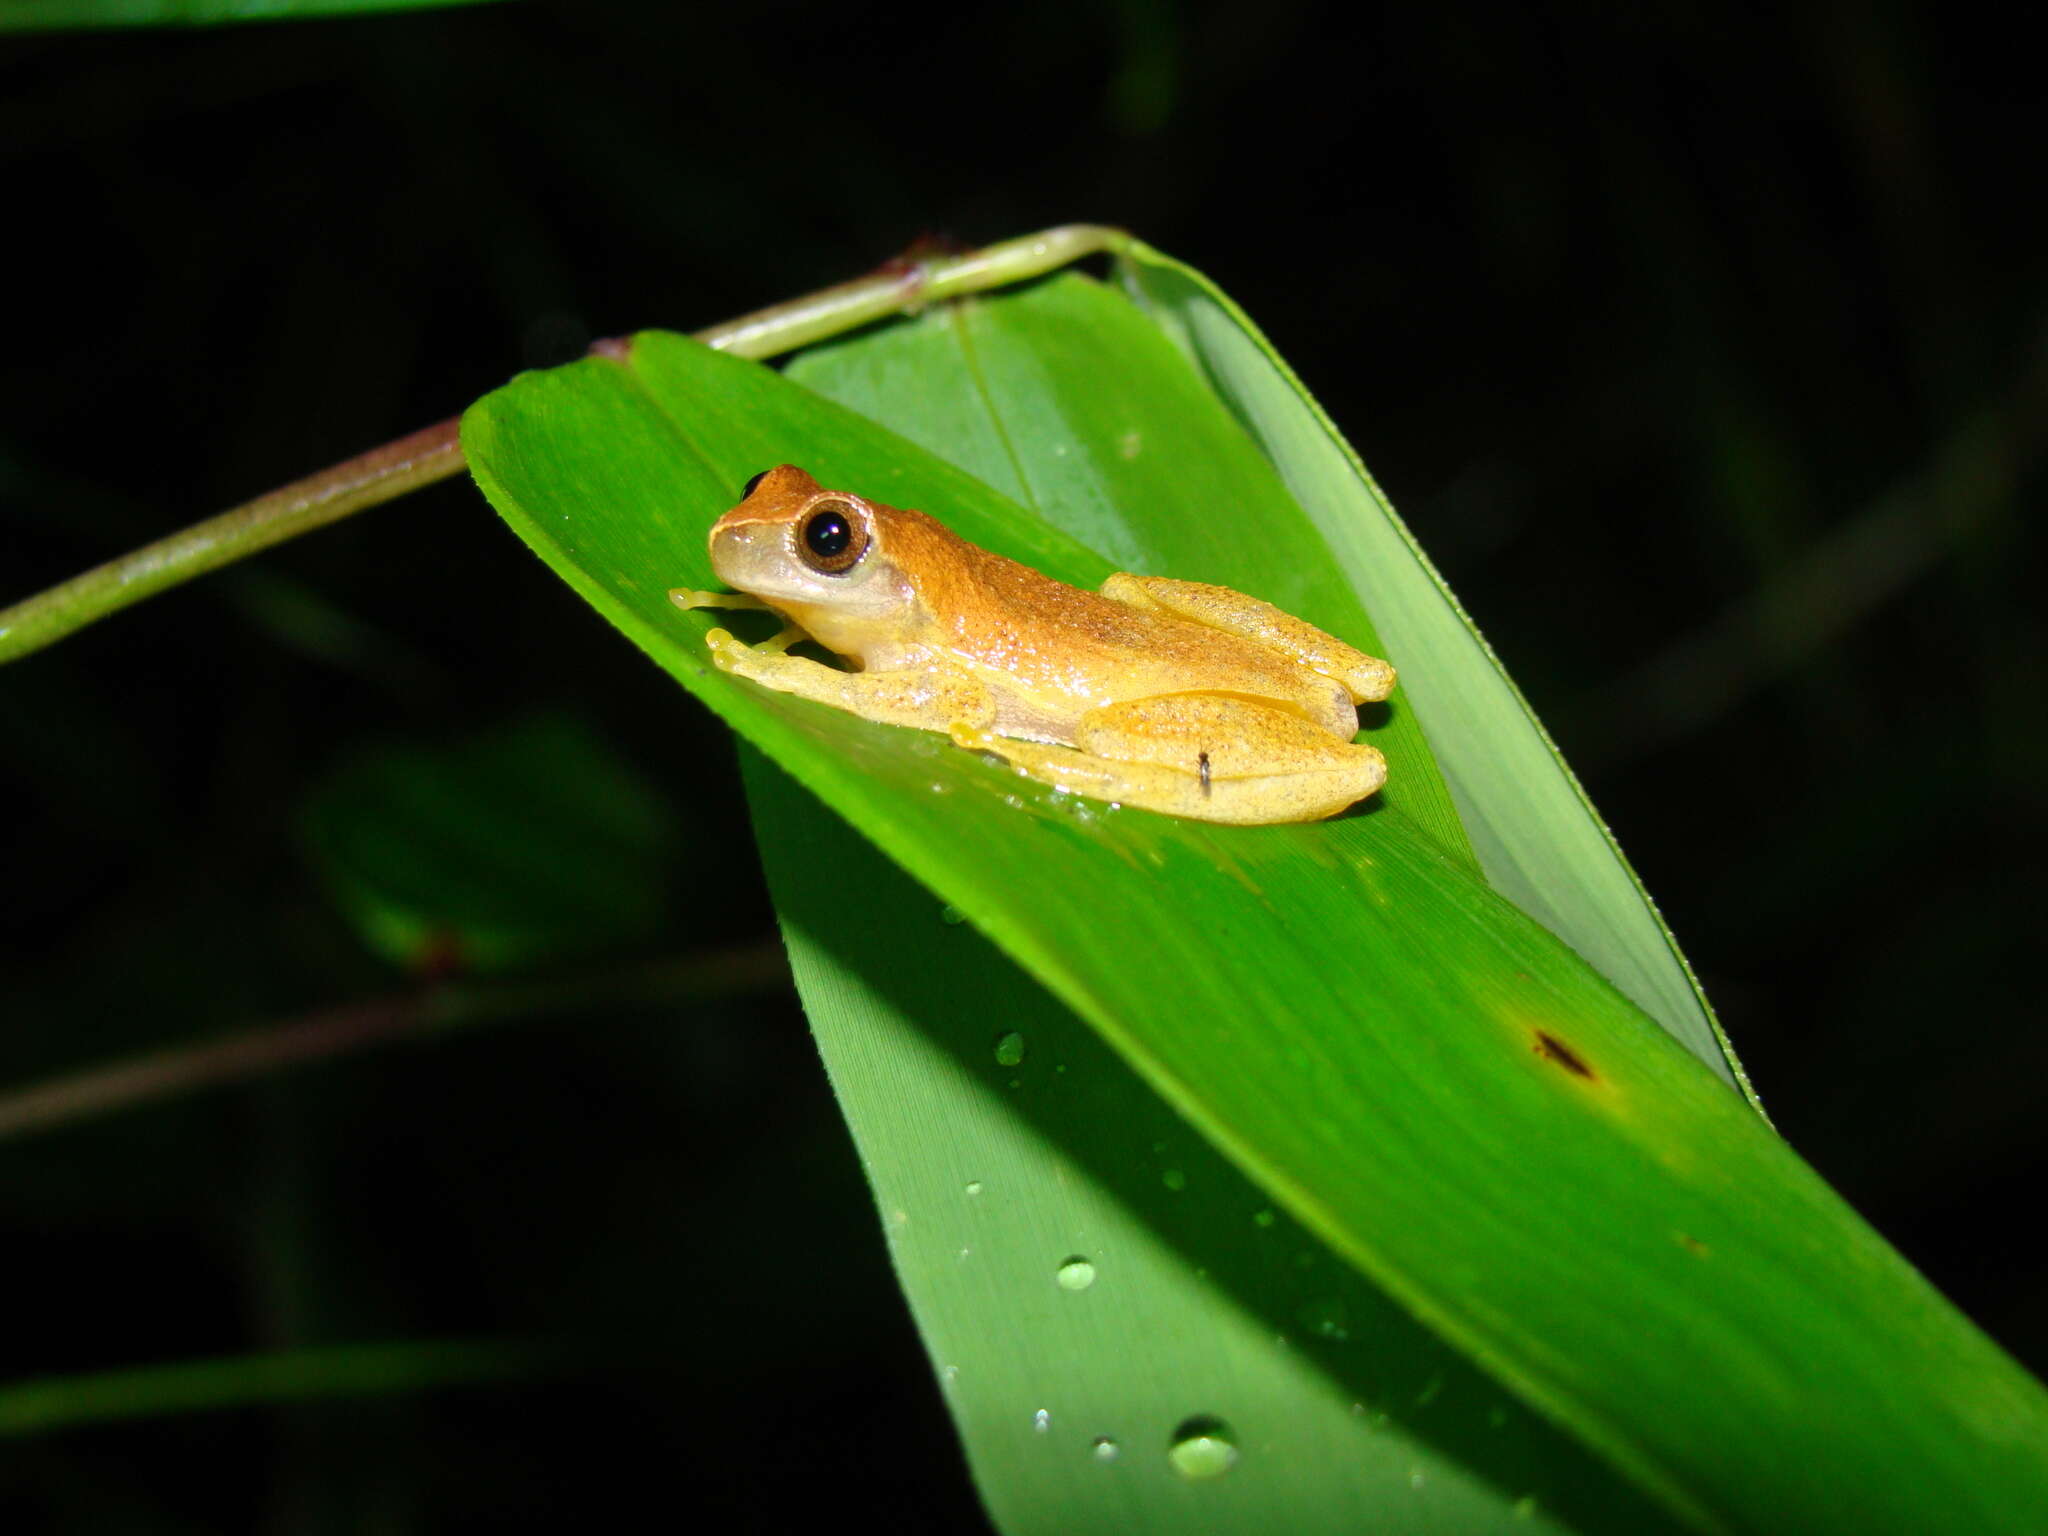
973 737
726 650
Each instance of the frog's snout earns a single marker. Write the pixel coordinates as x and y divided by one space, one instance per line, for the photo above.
732 553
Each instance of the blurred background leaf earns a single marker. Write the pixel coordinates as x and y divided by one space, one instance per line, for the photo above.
1704 352
54 14
525 845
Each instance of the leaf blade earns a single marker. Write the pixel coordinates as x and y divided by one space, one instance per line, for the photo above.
1428 1079
1538 836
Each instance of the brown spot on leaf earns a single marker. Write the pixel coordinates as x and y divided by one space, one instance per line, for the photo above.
1691 1243
1550 1048
618 348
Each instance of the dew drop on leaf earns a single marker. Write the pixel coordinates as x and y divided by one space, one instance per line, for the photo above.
1076 1274
1202 1448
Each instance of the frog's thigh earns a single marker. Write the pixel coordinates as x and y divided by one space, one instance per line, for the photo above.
929 698
1365 677
1205 756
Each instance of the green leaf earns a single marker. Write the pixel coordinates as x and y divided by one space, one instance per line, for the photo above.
1009 390
511 849
1538 838
48 15
1434 1085
1202 1301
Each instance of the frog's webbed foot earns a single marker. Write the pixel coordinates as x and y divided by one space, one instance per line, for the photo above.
1204 756
1366 678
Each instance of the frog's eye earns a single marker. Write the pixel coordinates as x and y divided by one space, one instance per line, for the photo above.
748 489
831 540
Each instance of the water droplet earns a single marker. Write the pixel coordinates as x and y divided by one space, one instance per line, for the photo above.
1076 1274
974 1186
1174 1180
1104 1448
1327 1318
1415 1478
1525 1507
1042 1420
952 1373
1429 1393
951 915
964 1252
1263 1218
1009 1049
1202 1448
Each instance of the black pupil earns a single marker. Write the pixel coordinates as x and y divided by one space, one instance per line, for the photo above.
828 534
748 490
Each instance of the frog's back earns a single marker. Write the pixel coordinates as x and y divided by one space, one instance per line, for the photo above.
1058 650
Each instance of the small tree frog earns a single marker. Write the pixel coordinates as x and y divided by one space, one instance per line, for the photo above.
1173 695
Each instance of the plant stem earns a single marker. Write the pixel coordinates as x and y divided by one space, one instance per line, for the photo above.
431 454
336 1031
41 1405
903 286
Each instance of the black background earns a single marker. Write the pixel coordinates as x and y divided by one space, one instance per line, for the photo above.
1707 353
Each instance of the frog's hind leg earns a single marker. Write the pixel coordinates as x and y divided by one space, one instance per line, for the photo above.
1210 757
931 700
1366 678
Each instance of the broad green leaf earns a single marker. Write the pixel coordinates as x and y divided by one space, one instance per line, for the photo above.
1071 1248
49 15
521 846
1428 1080
1538 838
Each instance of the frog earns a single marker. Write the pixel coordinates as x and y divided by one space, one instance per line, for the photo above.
1174 696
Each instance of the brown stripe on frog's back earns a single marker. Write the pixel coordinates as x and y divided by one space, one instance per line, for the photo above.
1071 650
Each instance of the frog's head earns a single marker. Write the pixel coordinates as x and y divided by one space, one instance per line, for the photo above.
791 542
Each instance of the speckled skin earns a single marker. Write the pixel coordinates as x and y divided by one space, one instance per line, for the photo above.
1181 697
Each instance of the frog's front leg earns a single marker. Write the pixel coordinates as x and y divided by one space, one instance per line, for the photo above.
930 698
1204 756
1367 678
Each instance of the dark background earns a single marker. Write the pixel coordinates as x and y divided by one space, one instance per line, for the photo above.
1707 354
